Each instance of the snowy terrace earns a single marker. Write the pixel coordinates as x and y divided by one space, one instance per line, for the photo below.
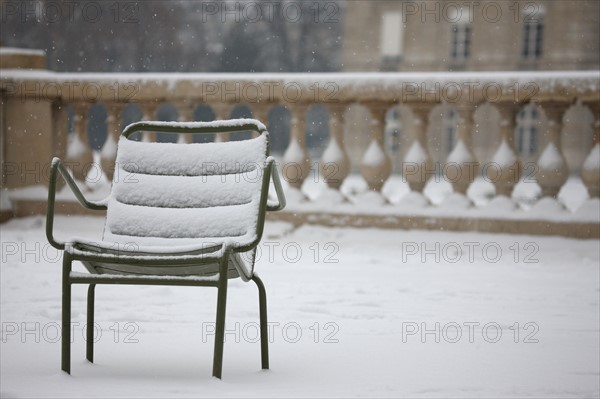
353 313
503 193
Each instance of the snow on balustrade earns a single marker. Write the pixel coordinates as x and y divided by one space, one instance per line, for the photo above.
332 161
416 154
333 153
75 147
592 162
505 156
440 190
109 149
21 51
415 157
449 83
374 156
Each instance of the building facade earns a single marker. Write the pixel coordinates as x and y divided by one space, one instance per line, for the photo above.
444 35
480 35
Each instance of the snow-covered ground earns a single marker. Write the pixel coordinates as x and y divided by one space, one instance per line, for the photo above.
354 313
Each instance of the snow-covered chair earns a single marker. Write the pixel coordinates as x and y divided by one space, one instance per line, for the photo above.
177 214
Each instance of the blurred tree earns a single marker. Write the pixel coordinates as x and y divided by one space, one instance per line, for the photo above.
306 39
162 36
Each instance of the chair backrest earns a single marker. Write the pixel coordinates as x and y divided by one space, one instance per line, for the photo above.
169 194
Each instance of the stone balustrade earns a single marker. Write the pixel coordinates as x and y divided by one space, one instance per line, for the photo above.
35 106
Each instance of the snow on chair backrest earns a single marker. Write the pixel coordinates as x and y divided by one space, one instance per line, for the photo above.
175 194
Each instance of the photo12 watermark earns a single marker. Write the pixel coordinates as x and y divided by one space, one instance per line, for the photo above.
269 91
269 11
453 12
290 332
467 91
73 91
469 252
452 332
67 11
51 332
453 172
290 252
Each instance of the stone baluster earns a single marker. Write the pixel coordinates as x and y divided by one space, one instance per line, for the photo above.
149 114
221 111
417 165
296 163
185 113
335 163
108 154
376 166
590 171
261 113
552 171
505 168
79 155
461 166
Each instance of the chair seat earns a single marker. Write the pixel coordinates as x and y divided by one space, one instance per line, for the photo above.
148 269
199 260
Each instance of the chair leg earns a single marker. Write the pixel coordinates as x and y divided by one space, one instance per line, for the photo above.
220 323
264 332
66 316
90 329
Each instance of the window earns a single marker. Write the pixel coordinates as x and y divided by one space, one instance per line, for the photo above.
460 44
392 36
533 35
527 131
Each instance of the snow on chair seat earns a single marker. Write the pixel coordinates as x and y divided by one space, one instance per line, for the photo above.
112 258
177 214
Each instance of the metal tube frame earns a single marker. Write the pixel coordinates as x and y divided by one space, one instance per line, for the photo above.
68 278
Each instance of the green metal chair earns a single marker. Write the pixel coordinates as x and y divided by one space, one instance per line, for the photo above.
177 214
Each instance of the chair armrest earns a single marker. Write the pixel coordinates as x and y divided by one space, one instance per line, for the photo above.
56 168
280 203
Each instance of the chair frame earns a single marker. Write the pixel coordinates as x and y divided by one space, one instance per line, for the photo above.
69 277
